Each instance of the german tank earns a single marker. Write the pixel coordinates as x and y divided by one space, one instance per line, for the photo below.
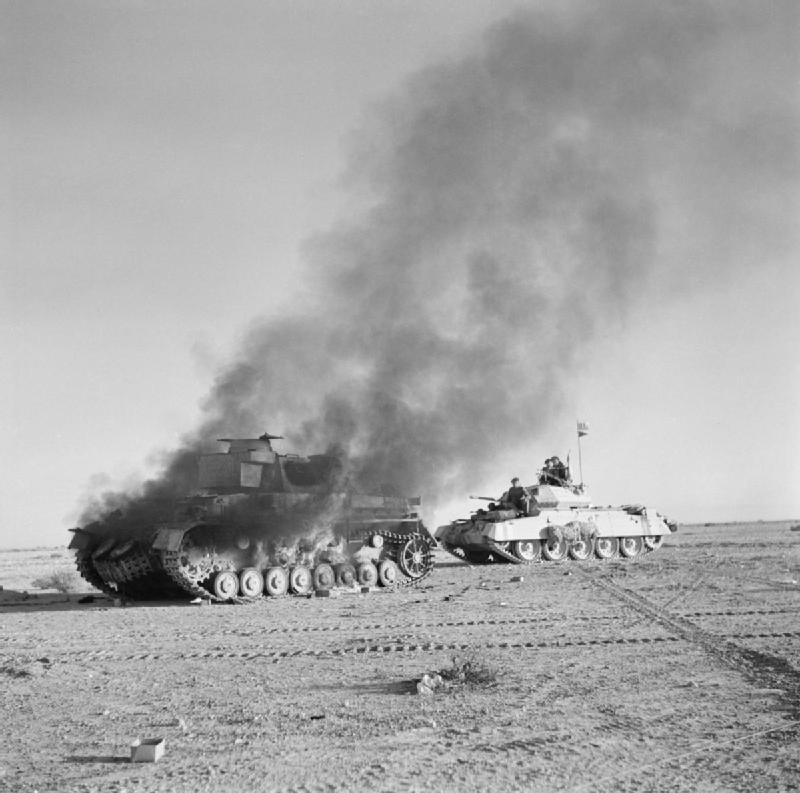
552 521
258 523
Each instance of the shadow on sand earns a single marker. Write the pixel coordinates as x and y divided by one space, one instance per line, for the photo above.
12 601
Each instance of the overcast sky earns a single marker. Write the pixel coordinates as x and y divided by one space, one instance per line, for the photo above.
164 165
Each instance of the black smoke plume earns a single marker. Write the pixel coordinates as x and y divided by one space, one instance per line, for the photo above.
511 202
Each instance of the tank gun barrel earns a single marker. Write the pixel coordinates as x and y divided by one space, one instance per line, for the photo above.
483 498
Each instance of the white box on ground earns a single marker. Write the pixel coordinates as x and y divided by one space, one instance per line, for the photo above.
147 751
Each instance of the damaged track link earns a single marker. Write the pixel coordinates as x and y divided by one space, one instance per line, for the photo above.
754 665
411 553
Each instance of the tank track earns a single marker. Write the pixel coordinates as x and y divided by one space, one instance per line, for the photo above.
190 581
87 570
496 550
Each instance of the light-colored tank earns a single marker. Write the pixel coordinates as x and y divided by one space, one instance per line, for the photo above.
257 523
553 522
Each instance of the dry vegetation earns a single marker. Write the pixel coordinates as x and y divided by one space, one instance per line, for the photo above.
680 672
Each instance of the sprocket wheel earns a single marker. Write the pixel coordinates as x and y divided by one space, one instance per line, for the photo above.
414 557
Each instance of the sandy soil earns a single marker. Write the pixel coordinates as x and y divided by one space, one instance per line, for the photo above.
679 671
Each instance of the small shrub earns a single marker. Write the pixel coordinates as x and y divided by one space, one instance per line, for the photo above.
469 671
60 580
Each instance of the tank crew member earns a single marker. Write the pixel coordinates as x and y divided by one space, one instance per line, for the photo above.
559 471
516 497
545 475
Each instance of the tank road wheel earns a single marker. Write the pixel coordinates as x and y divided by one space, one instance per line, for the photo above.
581 550
527 550
345 574
554 550
300 580
276 581
367 574
414 557
324 577
606 547
630 547
251 582
226 585
387 572
654 542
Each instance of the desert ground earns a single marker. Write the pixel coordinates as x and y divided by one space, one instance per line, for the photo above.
679 671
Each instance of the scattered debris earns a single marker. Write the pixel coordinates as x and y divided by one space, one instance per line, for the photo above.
150 750
468 671
200 601
429 683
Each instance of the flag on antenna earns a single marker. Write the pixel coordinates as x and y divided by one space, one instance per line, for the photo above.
583 428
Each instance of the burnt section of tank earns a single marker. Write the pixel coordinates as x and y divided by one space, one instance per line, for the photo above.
258 522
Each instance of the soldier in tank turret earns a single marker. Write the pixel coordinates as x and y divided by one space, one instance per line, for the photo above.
554 472
515 497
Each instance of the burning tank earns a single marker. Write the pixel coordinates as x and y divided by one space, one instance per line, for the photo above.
552 521
259 523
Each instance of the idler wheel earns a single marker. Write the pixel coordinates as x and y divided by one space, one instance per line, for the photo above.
300 580
527 550
606 547
345 574
413 558
654 542
630 547
226 585
324 577
581 550
367 574
387 572
276 581
251 582
554 550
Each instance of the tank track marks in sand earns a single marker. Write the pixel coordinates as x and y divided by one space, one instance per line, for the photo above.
410 647
754 665
190 582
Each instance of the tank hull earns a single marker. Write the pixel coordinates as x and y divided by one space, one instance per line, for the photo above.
572 529
260 523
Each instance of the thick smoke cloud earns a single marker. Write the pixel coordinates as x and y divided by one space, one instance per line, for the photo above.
511 202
